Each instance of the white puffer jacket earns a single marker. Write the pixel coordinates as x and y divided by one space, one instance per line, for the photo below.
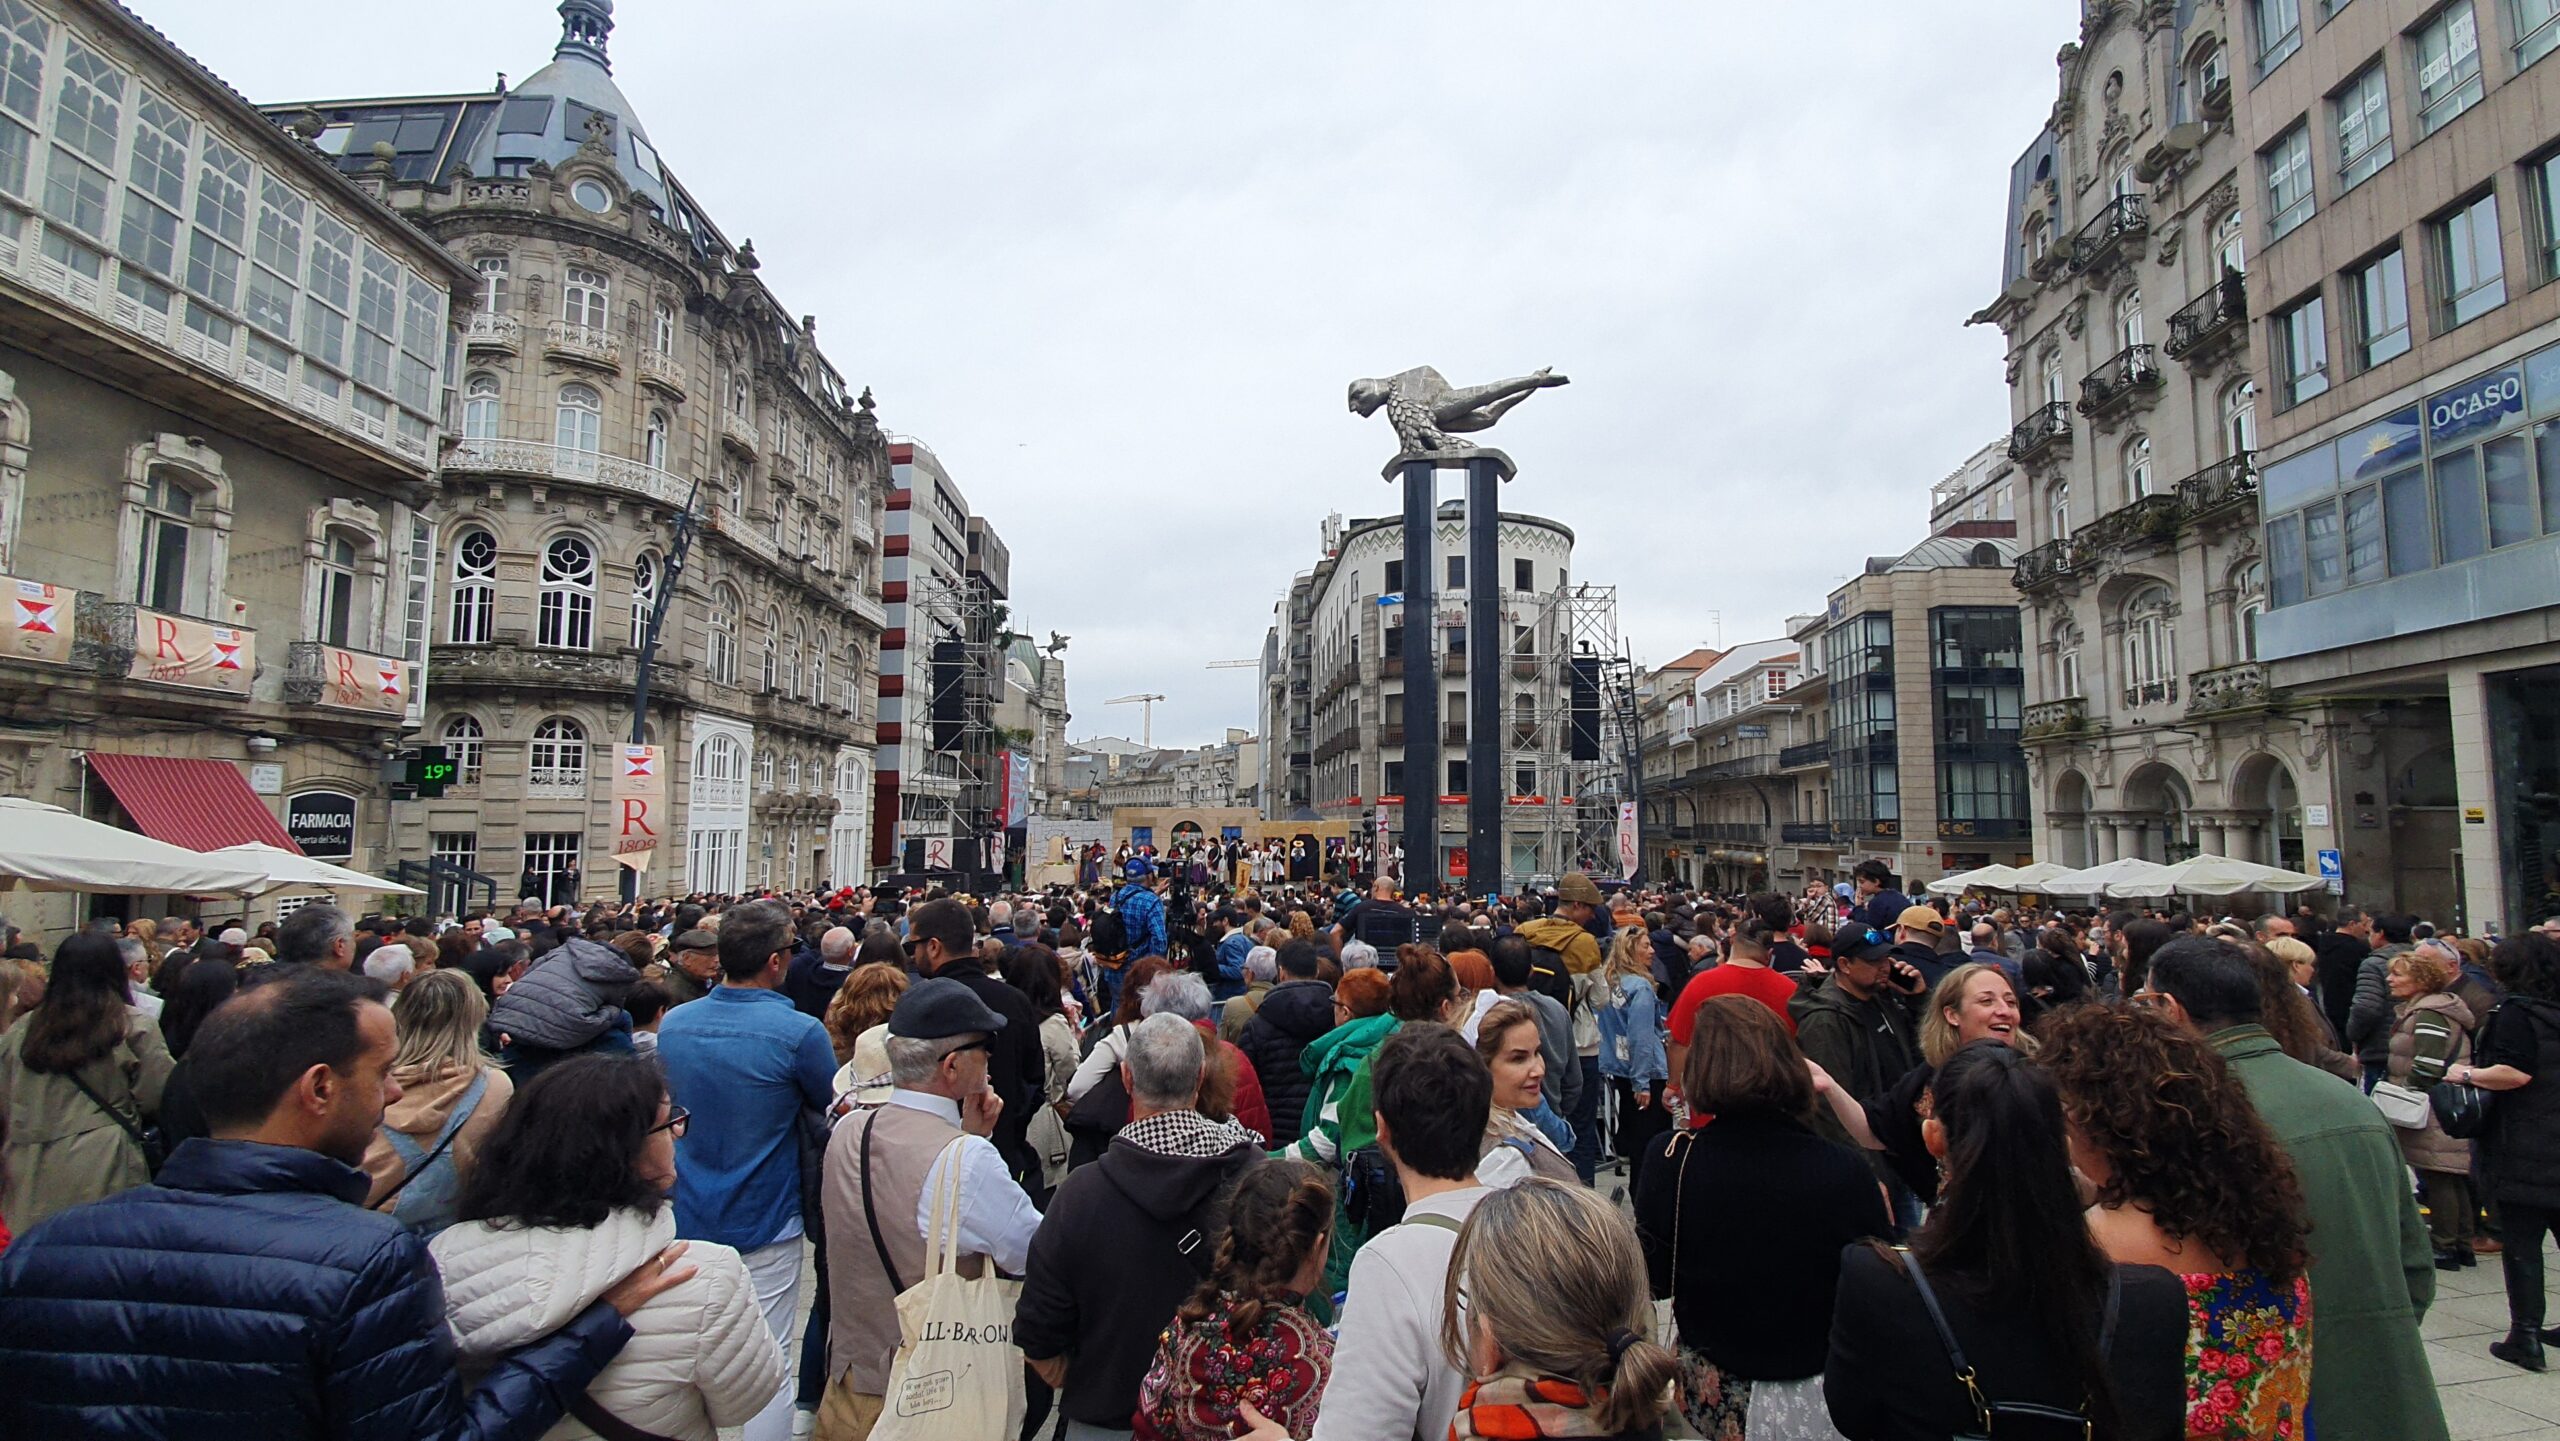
700 1357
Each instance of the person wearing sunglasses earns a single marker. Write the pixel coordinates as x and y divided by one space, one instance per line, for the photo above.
570 1191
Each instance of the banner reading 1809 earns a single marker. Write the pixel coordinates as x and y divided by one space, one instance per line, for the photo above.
1627 841
639 797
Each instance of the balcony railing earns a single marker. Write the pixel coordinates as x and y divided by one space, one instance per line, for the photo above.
2055 719
2229 688
1454 663
582 344
2123 220
1759 765
1747 833
564 462
494 332
2200 327
1524 668
2048 563
1453 732
2151 692
2222 486
2047 427
738 433
748 535
1805 833
2129 372
1811 753
663 371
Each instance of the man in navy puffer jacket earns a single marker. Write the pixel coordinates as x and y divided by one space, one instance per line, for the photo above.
246 1292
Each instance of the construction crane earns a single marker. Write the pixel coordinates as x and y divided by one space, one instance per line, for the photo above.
1146 737
1234 665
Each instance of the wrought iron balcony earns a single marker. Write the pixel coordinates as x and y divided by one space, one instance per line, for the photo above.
2128 373
2050 562
2047 427
1805 833
2211 323
2229 688
1747 833
2055 720
2123 221
582 344
2128 527
2151 692
2224 487
1811 753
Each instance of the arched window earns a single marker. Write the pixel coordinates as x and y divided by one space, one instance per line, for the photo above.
475 588
764 771
736 503
644 596
2150 647
2240 418
342 554
2228 246
480 408
578 426
2251 604
791 659
772 649
723 652
558 756
585 297
2129 319
2137 467
653 440
464 741
2039 237
791 774
853 683
818 669
566 617
2058 511
2053 380
662 330
2066 661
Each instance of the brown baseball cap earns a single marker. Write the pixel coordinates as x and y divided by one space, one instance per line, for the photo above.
1924 919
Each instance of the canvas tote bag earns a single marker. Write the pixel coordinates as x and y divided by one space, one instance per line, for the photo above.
957 1372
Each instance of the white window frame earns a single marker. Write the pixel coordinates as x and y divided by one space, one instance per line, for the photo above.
472 608
586 298
466 744
565 615
557 755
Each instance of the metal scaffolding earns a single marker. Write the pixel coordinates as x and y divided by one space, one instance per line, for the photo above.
959 799
1574 809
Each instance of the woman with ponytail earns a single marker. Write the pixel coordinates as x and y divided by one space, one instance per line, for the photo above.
1549 1317
1243 1338
2055 1339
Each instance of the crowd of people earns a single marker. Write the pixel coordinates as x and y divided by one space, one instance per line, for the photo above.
1198 1152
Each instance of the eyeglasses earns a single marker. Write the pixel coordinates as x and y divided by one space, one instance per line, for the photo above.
674 1124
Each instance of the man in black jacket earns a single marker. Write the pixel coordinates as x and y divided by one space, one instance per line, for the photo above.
2339 955
247 1292
1127 1238
1292 1013
943 941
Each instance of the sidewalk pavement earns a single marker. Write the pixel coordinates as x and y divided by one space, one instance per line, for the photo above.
2483 1396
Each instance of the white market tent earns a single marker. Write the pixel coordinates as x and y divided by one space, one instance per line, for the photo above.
2222 876
283 870
1986 878
46 848
2101 880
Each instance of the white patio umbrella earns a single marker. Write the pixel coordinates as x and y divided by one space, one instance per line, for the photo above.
283 870
1983 878
46 848
2102 880
2039 876
2224 876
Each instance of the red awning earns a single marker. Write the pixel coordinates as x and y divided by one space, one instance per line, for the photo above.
202 805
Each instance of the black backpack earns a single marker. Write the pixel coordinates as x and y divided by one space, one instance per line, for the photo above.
1107 936
1551 977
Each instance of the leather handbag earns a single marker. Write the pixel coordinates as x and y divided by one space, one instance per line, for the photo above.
2403 1106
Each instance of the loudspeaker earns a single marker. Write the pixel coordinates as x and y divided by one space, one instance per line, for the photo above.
915 858
1585 682
950 678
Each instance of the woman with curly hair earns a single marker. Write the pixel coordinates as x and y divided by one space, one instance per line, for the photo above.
2188 1177
1245 1337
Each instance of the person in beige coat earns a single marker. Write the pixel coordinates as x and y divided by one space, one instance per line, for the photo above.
2431 1029
568 1195
67 1146
444 1081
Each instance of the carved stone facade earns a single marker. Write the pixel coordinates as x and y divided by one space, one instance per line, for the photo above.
2149 727
622 361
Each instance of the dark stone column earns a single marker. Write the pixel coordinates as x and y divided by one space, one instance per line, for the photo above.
1422 776
1487 659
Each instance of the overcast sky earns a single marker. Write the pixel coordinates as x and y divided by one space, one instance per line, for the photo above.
1116 263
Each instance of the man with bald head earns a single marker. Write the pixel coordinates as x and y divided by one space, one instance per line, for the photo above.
815 975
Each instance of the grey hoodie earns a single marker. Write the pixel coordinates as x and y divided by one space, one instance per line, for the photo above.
570 997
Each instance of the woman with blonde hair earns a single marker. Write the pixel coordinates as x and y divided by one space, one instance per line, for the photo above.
15 989
868 995
1632 1055
2431 1029
450 1102
1547 1314
1973 1002
1514 1148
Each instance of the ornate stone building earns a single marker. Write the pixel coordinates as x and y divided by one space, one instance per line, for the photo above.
2147 725
623 360
218 434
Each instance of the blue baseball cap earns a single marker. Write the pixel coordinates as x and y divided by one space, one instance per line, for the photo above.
1138 868
1856 941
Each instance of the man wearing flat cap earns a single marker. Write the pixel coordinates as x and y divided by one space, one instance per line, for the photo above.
883 1166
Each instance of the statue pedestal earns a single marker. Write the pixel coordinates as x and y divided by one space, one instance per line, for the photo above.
1465 460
